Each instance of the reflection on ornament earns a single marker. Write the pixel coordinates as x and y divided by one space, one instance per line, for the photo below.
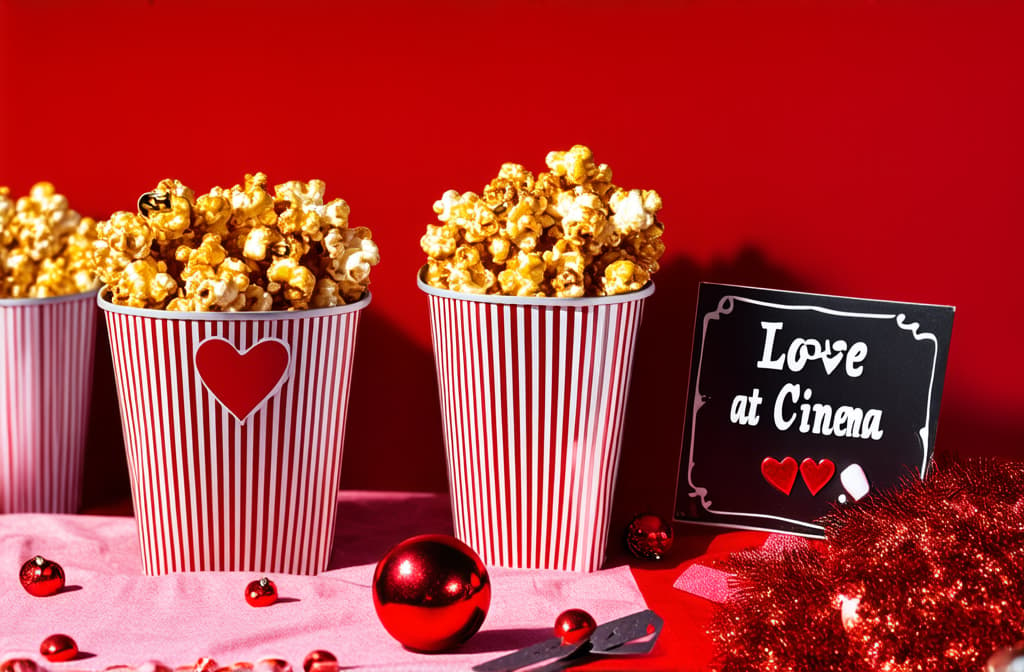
649 537
41 577
431 592
574 626
58 648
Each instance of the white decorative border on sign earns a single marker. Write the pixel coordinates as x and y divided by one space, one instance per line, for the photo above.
912 327
725 307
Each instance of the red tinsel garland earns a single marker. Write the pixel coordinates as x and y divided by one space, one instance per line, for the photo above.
926 577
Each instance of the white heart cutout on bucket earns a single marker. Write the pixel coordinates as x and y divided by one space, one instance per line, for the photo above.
243 381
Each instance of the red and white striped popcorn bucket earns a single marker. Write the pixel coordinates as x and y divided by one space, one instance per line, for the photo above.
234 425
45 387
533 398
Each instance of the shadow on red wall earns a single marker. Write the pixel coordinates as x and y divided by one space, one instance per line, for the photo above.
648 470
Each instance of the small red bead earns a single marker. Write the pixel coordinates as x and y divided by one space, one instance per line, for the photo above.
320 661
272 665
261 593
58 648
41 577
205 665
574 626
19 665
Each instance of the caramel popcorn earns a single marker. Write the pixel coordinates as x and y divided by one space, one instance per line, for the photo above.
45 246
568 232
243 248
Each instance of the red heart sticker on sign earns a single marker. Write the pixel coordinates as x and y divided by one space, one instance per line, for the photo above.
242 381
817 474
781 475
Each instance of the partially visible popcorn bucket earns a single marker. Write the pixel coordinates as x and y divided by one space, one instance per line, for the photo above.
45 385
234 426
533 397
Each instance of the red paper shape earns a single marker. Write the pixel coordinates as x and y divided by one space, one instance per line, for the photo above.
781 475
817 474
242 381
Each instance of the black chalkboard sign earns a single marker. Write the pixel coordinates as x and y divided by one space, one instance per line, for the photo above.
798 402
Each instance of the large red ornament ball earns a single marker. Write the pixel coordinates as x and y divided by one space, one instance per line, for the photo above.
574 625
431 592
261 593
41 577
58 648
649 537
19 665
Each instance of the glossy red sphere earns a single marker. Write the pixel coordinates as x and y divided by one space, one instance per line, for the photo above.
19 665
431 592
320 661
574 626
41 577
649 536
261 593
58 648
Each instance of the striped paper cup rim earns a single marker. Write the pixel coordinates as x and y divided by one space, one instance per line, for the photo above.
240 316
549 301
42 301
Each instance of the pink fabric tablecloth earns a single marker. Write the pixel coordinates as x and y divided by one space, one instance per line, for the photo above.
120 617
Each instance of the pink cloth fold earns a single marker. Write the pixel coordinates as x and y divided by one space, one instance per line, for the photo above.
701 579
120 617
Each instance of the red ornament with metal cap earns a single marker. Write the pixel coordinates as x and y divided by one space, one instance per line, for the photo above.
649 537
261 593
41 577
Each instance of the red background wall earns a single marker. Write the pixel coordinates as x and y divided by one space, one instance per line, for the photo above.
861 148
